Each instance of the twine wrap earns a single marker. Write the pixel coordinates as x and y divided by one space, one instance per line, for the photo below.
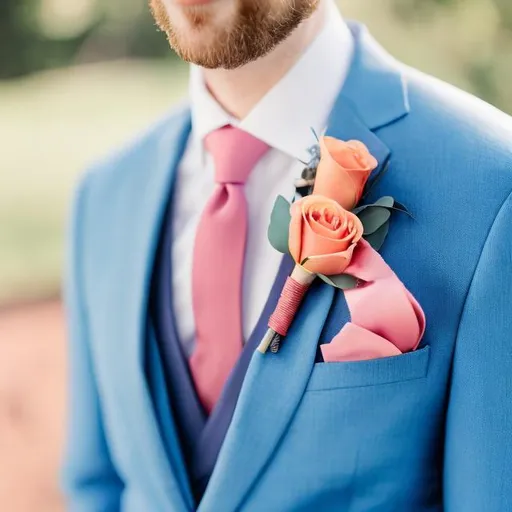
288 305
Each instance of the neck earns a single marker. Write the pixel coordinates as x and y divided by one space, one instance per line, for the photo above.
239 90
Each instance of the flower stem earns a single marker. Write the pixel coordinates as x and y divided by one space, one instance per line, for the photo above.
281 319
266 341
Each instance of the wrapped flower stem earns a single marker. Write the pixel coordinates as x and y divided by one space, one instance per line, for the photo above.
281 319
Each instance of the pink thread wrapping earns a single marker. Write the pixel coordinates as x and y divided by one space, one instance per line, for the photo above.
287 307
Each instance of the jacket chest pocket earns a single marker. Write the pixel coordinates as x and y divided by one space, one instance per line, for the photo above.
374 372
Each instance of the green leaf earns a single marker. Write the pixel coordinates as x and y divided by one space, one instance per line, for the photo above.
401 208
359 209
279 228
373 218
385 201
377 239
341 281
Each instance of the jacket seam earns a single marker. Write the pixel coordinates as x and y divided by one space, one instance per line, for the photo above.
477 266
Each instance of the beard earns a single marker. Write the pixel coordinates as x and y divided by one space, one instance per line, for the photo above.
251 31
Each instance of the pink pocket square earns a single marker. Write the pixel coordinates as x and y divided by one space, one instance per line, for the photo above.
386 320
355 343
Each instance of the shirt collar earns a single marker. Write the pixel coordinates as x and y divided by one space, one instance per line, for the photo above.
301 101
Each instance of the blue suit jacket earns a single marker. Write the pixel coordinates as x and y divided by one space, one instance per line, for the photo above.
428 430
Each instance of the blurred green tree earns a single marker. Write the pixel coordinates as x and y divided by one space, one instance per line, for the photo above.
119 28
23 48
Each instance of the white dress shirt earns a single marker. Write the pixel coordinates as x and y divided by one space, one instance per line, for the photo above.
283 119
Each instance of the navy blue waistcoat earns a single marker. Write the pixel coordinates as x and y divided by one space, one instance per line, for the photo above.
201 437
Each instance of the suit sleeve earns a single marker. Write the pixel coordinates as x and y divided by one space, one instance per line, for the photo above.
89 478
478 449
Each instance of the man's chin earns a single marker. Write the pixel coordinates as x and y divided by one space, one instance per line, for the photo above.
228 33
194 29
196 50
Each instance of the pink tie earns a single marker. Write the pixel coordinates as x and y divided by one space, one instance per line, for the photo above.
218 264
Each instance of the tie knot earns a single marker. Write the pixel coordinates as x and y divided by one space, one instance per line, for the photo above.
235 153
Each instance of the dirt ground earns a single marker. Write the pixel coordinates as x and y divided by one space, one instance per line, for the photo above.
32 406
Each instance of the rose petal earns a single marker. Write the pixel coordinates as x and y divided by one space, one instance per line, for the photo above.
322 227
315 245
343 170
330 264
364 155
333 181
343 153
295 233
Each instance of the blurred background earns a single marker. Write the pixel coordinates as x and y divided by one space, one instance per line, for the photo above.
77 78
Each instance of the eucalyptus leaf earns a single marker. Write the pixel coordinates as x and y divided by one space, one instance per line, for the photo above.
341 281
401 208
376 240
315 134
279 228
373 218
386 201
359 209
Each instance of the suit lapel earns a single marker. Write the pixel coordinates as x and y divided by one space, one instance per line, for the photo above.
143 203
345 124
374 95
272 390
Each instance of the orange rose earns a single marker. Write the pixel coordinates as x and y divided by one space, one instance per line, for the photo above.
343 170
324 233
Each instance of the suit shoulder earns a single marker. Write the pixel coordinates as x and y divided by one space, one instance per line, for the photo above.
477 130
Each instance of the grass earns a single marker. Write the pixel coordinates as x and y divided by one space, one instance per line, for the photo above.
52 126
